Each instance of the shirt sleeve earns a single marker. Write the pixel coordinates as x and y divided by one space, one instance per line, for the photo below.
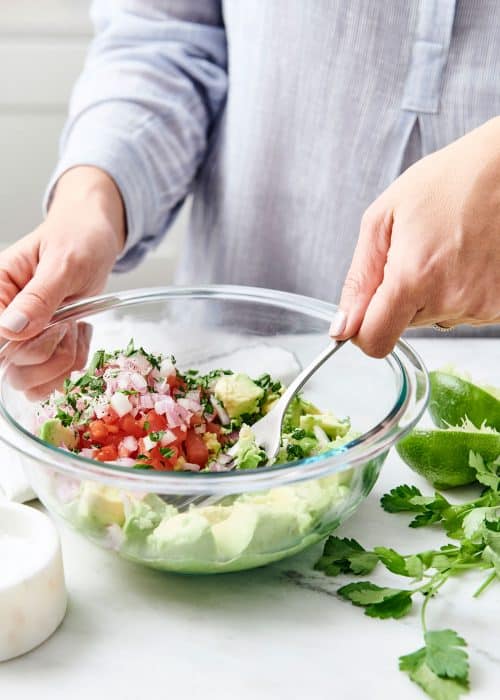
153 83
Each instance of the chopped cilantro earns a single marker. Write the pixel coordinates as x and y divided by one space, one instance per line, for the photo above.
294 451
97 361
167 452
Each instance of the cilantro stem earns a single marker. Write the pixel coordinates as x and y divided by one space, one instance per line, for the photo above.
432 592
485 584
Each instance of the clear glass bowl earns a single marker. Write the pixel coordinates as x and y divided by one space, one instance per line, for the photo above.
215 522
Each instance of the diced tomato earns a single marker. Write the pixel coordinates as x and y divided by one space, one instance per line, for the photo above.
196 419
130 426
213 428
180 434
98 431
112 428
155 421
111 417
196 449
175 383
114 439
107 454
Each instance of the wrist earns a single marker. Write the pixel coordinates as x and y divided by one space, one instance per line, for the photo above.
93 191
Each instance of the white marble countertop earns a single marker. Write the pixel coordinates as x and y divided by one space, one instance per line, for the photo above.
277 632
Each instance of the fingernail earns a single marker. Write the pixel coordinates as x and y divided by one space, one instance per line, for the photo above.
13 321
338 323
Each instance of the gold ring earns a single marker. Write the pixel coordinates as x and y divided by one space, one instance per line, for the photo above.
441 329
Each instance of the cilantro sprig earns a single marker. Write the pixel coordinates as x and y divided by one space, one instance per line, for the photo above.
441 666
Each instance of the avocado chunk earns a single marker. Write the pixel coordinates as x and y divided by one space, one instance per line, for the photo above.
234 534
55 433
186 536
249 455
238 394
101 505
332 426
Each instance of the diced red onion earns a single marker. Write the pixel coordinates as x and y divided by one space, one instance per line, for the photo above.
101 406
147 443
223 417
167 438
146 401
135 363
138 382
87 452
123 462
190 467
320 436
66 488
120 404
129 443
176 414
190 404
167 368
114 537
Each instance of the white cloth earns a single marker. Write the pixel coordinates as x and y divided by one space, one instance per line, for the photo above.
14 485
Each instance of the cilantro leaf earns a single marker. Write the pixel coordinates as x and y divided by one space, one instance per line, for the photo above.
445 655
399 500
377 601
434 508
486 473
130 349
345 556
435 687
392 560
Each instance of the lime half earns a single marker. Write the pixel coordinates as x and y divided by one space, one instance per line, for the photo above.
454 399
442 456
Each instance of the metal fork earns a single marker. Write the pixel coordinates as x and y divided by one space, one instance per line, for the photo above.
267 430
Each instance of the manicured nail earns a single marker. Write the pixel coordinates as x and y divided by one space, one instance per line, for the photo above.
338 324
13 321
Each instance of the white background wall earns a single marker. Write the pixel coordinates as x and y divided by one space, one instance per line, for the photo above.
42 47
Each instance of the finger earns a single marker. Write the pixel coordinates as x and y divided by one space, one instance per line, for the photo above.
38 350
16 268
366 271
388 315
41 391
61 363
32 308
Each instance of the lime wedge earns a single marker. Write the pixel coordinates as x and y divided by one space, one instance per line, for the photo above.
454 399
442 456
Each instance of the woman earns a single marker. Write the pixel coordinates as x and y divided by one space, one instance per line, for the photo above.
290 122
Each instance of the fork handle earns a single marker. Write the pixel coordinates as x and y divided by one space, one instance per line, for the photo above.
307 372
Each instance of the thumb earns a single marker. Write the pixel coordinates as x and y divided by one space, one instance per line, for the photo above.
32 308
365 274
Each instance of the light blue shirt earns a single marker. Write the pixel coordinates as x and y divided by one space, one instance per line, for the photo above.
284 118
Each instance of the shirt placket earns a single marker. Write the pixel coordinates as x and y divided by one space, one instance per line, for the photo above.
429 54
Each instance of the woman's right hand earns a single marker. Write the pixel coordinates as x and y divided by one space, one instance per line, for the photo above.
69 256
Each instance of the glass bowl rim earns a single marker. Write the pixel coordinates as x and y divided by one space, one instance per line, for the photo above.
370 444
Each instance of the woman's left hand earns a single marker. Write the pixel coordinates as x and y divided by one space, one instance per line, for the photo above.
429 248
